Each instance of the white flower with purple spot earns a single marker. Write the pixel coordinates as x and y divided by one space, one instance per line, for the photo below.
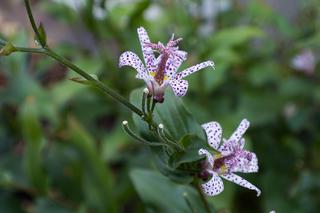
230 158
161 71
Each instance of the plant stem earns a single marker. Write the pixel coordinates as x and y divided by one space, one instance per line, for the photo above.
33 23
143 103
153 105
202 197
97 83
47 51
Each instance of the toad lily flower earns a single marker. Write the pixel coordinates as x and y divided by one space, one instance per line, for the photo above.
231 158
161 72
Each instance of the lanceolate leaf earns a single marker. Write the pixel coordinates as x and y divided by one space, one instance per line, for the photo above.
97 179
34 141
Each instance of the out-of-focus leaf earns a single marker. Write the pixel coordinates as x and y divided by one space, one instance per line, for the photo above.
264 73
97 179
159 194
34 142
235 36
48 206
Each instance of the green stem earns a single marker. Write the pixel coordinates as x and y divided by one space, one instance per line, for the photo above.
33 23
139 139
163 137
148 103
99 84
73 67
143 103
47 51
153 105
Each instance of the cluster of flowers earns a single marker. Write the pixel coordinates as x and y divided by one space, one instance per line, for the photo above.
159 73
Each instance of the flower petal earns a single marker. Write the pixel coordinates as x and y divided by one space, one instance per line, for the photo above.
179 87
174 62
193 69
240 181
237 135
147 51
131 59
208 155
242 143
247 163
229 145
214 186
214 132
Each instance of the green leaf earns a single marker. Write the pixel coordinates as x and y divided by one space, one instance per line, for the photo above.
190 156
235 36
180 124
161 161
42 39
35 140
177 120
159 194
97 181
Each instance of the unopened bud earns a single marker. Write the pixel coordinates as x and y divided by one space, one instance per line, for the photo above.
146 91
161 126
124 123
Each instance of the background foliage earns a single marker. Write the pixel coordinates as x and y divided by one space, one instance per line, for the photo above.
62 148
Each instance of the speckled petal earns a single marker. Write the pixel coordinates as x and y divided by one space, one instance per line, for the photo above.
237 135
208 155
240 181
193 69
147 51
179 87
131 59
214 186
173 63
227 147
248 163
214 132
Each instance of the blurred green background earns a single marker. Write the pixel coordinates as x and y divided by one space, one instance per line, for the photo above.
62 148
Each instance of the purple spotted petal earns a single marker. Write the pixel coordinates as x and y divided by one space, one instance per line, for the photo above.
147 51
237 135
240 181
208 155
214 133
247 162
179 87
193 69
131 59
174 62
214 186
227 147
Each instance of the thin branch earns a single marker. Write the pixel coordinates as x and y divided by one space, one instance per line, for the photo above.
33 23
